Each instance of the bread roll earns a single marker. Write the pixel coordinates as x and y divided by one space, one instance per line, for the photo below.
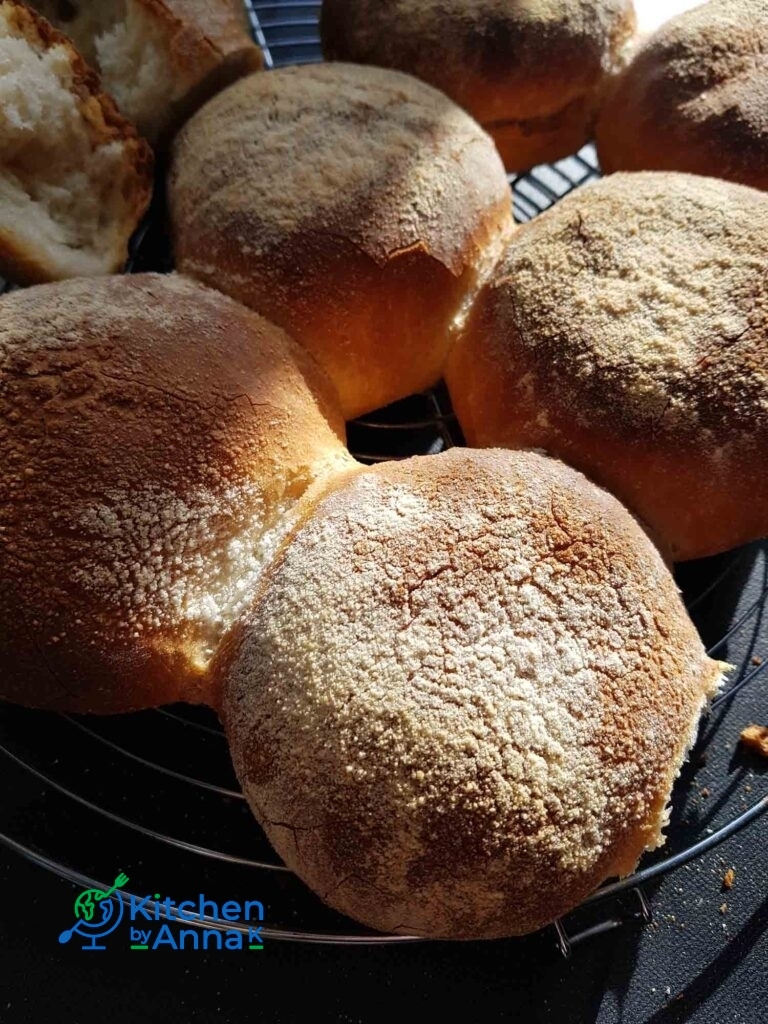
156 439
160 59
695 97
463 694
529 72
353 206
74 178
626 331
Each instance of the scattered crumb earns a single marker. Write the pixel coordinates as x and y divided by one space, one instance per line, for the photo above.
728 878
757 660
705 792
723 908
756 738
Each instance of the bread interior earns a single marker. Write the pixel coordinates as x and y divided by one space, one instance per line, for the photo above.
59 190
129 47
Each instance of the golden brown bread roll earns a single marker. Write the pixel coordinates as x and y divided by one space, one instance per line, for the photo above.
74 177
156 439
626 331
160 59
463 694
353 206
530 72
695 97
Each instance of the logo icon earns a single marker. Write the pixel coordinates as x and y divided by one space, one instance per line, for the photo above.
98 913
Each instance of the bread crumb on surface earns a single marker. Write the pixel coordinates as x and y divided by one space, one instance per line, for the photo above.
755 737
728 878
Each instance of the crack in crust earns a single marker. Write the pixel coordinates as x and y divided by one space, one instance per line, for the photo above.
406 204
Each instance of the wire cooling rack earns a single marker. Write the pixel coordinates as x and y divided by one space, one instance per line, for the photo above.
154 793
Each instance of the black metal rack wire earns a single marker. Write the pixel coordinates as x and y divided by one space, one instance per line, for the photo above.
158 785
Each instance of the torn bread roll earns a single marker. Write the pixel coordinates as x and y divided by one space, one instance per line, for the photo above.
355 207
159 59
74 177
157 441
463 693
531 73
626 331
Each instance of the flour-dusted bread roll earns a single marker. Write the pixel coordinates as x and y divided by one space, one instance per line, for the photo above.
626 331
74 177
695 97
463 694
353 206
156 440
530 72
160 59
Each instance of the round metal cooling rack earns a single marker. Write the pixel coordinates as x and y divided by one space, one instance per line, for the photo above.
154 793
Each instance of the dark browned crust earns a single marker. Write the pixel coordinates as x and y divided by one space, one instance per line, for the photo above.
531 80
540 140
